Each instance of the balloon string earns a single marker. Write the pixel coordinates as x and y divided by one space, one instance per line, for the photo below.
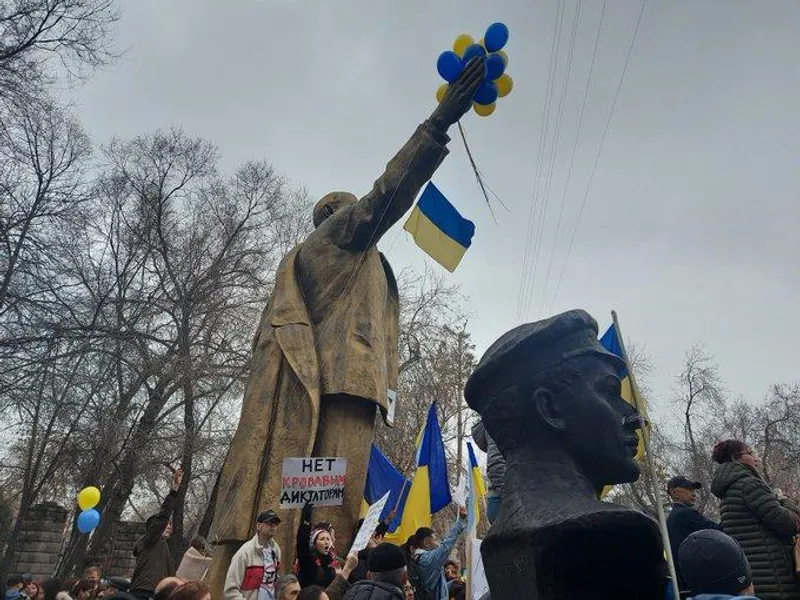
478 176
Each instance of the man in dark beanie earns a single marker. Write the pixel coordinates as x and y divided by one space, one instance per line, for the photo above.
714 567
387 575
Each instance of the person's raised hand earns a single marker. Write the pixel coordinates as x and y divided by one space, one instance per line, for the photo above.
458 97
177 478
306 514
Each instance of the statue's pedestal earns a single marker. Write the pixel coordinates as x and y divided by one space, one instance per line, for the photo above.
608 555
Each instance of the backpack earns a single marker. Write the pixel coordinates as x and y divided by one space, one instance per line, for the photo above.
415 578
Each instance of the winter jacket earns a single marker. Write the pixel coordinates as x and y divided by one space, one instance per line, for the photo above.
682 521
374 590
431 562
153 558
495 461
246 571
313 568
763 526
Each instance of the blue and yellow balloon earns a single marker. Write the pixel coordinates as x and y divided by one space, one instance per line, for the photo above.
89 518
497 83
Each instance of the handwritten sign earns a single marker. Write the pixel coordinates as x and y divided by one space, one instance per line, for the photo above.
371 520
320 481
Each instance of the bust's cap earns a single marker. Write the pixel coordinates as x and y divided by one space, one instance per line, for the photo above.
535 347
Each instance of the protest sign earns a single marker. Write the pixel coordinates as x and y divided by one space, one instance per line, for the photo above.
371 520
319 481
477 578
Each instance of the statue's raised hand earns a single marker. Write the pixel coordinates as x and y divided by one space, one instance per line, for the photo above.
458 97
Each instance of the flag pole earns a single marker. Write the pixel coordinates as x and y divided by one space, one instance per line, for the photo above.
662 521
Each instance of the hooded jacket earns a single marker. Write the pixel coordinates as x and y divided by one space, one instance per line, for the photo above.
763 525
153 558
495 461
374 590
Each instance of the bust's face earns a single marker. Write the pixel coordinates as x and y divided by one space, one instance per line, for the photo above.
600 427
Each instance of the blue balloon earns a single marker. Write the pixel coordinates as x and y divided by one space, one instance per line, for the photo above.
449 66
88 520
494 67
486 94
473 51
496 37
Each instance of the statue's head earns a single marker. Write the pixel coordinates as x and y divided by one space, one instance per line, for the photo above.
330 203
551 383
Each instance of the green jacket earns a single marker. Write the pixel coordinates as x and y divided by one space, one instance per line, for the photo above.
763 525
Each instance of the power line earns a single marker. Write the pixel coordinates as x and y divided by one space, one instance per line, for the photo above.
554 150
574 150
600 149
543 129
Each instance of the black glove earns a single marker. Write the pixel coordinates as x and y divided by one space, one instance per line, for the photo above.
306 514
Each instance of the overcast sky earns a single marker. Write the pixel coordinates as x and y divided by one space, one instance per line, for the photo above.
691 225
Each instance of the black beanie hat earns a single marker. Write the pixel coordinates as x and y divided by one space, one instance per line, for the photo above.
385 557
713 563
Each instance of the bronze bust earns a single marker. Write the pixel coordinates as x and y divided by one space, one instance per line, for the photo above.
549 395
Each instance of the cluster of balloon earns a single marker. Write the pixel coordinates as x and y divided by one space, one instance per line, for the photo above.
497 83
88 519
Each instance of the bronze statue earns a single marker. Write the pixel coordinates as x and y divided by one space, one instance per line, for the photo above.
325 352
549 395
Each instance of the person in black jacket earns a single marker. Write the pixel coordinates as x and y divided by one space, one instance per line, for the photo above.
684 519
153 558
316 563
387 576
361 571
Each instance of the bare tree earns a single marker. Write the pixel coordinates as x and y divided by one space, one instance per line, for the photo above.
35 32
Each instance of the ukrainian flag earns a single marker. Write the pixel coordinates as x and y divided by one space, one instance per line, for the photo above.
476 490
438 229
611 342
382 477
430 489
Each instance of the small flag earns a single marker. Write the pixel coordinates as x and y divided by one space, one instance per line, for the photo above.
477 490
438 229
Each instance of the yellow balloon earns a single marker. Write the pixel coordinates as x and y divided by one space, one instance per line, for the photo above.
504 85
503 55
88 497
484 110
440 92
461 43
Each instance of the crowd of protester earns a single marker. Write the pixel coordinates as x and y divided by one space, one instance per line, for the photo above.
749 554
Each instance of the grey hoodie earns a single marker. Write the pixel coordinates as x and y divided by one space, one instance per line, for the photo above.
495 462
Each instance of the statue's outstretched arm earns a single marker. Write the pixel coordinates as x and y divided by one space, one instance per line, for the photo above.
393 192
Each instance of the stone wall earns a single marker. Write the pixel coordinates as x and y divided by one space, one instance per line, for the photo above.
44 532
122 561
40 540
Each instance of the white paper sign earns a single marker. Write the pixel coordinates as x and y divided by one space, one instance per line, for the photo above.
477 578
371 520
320 481
391 406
